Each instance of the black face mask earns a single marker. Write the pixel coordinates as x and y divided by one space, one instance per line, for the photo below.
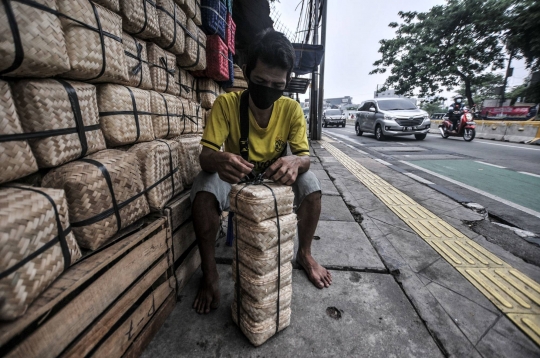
263 97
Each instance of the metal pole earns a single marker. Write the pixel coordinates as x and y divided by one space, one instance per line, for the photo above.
506 77
314 117
321 83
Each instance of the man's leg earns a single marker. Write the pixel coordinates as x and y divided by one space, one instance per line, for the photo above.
308 194
209 197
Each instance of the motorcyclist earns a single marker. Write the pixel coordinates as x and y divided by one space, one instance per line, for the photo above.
454 111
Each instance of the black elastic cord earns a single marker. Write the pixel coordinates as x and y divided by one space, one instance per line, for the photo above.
145 15
198 53
174 25
171 167
168 118
102 40
107 177
44 134
76 109
165 66
19 51
138 68
135 114
61 232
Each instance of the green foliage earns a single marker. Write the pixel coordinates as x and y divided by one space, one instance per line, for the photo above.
448 45
524 30
433 107
530 94
483 87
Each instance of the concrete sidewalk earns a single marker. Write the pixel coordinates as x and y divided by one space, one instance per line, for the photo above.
392 295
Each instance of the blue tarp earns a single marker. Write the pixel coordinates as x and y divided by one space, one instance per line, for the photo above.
308 57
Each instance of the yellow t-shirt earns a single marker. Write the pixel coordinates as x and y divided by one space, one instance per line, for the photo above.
287 124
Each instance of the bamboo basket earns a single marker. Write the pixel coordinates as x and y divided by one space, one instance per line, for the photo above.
194 56
162 70
36 245
239 82
125 115
192 8
172 25
105 194
259 332
187 84
267 308
42 51
62 115
261 262
16 157
207 92
256 202
190 149
139 18
113 5
167 115
159 162
260 286
187 113
196 117
137 63
263 235
93 57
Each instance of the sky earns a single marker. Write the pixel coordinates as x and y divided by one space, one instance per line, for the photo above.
354 29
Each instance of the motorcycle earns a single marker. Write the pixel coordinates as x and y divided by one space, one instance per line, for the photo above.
466 126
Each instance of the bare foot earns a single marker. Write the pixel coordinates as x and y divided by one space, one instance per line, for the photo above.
317 274
208 296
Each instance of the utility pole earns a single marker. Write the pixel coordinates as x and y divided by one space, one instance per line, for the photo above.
506 77
321 83
313 115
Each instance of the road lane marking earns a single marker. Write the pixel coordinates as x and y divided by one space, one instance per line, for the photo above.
492 165
500 145
343 137
534 175
383 162
417 178
514 293
476 190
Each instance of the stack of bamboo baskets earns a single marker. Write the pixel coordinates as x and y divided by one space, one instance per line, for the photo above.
100 124
264 227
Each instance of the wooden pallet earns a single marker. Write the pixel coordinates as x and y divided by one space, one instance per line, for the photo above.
102 305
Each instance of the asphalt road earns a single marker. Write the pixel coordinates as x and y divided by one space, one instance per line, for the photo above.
502 177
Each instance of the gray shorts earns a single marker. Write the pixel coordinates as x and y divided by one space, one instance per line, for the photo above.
305 184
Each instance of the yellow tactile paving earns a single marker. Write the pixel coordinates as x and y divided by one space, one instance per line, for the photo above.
510 290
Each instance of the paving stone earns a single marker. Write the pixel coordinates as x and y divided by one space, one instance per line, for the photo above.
350 249
506 340
386 220
328 187
334 209
365 199
321 174
376 320
471 318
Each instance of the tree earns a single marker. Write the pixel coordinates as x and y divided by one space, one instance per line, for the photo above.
483 87
524 30
433 107
448 45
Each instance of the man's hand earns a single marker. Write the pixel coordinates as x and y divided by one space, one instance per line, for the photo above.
284 170
231 168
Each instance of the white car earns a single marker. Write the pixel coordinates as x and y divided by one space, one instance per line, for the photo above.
333 117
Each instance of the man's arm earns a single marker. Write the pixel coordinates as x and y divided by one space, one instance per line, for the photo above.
230 167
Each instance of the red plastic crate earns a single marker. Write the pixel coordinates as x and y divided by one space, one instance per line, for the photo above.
230 32
217 58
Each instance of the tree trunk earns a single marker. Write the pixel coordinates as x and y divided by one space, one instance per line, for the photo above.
468 92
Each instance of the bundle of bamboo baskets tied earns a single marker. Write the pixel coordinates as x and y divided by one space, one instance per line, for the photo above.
264 226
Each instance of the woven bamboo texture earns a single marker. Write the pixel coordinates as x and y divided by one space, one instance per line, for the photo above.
139 17
262 262
190 148
260 332
137 63
88 194
16 158
207 90
28 223
256 202
259 311
172 22
167 116
239 82
192 8
187 84
194 56
154 159
162 70
118 128
264 235
261 286
197 113
84 46
187 111
42 40
113 5
45 105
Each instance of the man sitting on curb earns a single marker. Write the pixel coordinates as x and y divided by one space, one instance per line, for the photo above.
274 121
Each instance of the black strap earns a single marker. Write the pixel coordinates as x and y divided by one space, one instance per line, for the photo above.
76 109
168 71
145 16
107 177
61 237
138 68
135 114
199 45
244 125
102 41
174 24
171 166
209 91
168 118
44 134
19 51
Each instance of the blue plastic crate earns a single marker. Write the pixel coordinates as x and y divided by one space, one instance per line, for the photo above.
214 17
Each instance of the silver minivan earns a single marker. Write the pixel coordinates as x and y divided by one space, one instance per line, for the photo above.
387 117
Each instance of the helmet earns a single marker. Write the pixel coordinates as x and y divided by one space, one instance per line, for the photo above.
458 98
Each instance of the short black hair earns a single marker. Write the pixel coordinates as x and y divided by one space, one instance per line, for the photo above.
272 48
